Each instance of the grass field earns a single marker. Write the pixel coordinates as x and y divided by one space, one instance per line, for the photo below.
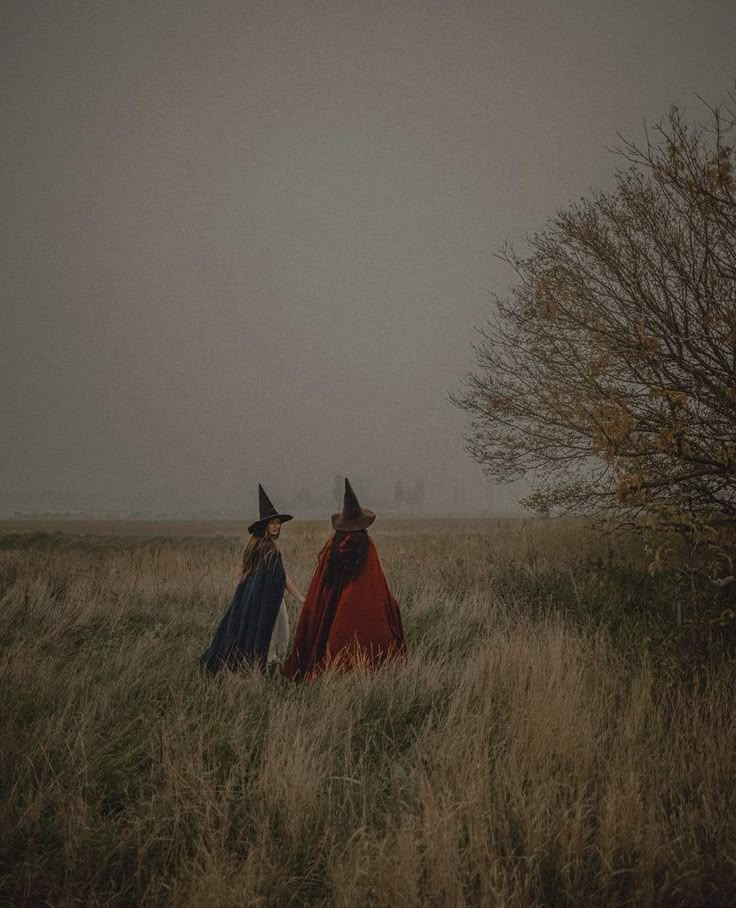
549 739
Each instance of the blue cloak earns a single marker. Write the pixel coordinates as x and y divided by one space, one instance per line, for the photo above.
245 629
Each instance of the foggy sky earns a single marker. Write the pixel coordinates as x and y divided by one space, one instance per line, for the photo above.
250 241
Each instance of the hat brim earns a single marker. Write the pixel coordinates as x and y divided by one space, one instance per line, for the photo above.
345 525
262 523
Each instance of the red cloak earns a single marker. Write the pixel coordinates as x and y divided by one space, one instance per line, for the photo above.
345 619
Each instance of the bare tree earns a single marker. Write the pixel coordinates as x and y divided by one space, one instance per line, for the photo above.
609 373
399 494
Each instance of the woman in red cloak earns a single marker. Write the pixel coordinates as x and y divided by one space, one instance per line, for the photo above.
349 616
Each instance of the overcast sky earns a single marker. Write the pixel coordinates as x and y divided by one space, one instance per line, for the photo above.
250 241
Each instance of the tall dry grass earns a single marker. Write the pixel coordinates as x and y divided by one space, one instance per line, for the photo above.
526 753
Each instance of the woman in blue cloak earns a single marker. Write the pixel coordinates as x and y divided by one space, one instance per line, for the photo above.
255 627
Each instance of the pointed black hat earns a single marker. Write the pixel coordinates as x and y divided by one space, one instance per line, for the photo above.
267 512
352 517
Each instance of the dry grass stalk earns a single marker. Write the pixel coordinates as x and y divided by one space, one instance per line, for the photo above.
516 757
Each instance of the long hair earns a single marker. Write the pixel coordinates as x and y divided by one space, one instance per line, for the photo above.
257 549
348 552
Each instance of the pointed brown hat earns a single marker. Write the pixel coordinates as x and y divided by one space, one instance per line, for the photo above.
352 517
267 511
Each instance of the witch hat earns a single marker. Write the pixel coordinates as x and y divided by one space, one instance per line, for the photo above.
267 512
352 517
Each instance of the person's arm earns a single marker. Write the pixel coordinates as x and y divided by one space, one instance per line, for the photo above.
291 588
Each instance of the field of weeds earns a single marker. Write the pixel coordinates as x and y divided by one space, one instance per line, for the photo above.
545 741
